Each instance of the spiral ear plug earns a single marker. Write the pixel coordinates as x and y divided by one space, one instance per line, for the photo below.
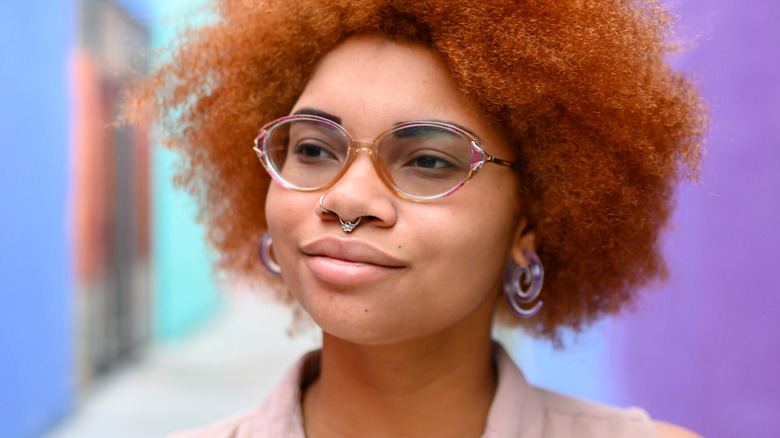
523 284
264 251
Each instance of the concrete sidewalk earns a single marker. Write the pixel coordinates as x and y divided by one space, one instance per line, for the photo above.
226 366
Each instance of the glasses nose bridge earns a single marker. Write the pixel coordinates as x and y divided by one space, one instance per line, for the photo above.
369 147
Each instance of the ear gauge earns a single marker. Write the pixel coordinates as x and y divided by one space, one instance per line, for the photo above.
523 284
264 251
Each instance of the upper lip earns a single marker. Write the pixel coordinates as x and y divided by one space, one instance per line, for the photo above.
351 250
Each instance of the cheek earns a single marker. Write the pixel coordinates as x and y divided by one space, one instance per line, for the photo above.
479 228
468 248
283 212
278 208
288 211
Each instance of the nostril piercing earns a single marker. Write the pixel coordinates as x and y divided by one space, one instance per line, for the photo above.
347 226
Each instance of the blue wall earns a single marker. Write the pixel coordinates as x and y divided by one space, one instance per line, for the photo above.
36 341
37 348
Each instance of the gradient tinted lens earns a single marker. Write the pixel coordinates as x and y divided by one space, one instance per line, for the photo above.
425 160
308 154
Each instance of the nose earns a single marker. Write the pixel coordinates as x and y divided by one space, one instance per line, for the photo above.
361 191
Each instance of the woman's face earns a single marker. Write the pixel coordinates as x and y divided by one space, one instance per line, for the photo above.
410 269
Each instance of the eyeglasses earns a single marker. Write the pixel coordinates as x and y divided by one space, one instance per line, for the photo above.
416 160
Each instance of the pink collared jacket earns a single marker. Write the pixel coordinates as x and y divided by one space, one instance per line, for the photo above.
518 410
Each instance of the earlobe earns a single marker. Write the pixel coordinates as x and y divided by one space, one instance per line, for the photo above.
524 239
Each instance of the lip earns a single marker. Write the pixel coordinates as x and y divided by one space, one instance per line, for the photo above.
348 262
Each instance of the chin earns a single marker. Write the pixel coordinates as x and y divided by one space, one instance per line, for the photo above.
359 326
372 329
363 329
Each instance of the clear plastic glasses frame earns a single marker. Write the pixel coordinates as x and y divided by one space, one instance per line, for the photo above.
478 156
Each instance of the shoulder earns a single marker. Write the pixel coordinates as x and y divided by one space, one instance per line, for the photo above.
520 409
620 422
667 430
566 412
234 427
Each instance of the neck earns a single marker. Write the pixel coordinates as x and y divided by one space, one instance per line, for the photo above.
438 385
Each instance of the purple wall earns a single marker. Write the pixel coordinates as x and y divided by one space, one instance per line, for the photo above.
703 350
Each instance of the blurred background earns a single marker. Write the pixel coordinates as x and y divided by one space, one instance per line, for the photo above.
111 323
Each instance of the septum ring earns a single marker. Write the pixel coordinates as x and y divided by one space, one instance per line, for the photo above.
347 226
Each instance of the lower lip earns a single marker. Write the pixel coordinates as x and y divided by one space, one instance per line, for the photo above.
346 273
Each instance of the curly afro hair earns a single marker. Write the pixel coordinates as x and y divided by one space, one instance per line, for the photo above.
604 127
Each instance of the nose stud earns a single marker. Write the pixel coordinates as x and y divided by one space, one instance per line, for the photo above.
347 226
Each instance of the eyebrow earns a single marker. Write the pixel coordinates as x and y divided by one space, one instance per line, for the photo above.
306 111
447 122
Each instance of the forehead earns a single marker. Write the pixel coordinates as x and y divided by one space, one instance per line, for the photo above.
371 83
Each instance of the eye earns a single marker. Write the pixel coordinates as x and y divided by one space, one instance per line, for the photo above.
311 150
427 150
431 162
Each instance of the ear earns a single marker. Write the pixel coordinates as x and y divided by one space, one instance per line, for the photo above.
523 239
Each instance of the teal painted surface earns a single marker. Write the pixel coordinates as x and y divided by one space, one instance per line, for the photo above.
185 291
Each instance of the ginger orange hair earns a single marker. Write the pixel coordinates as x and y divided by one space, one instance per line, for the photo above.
604 127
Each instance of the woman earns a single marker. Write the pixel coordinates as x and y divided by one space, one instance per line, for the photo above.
430 158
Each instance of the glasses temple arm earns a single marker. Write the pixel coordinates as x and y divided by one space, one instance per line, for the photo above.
494 160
